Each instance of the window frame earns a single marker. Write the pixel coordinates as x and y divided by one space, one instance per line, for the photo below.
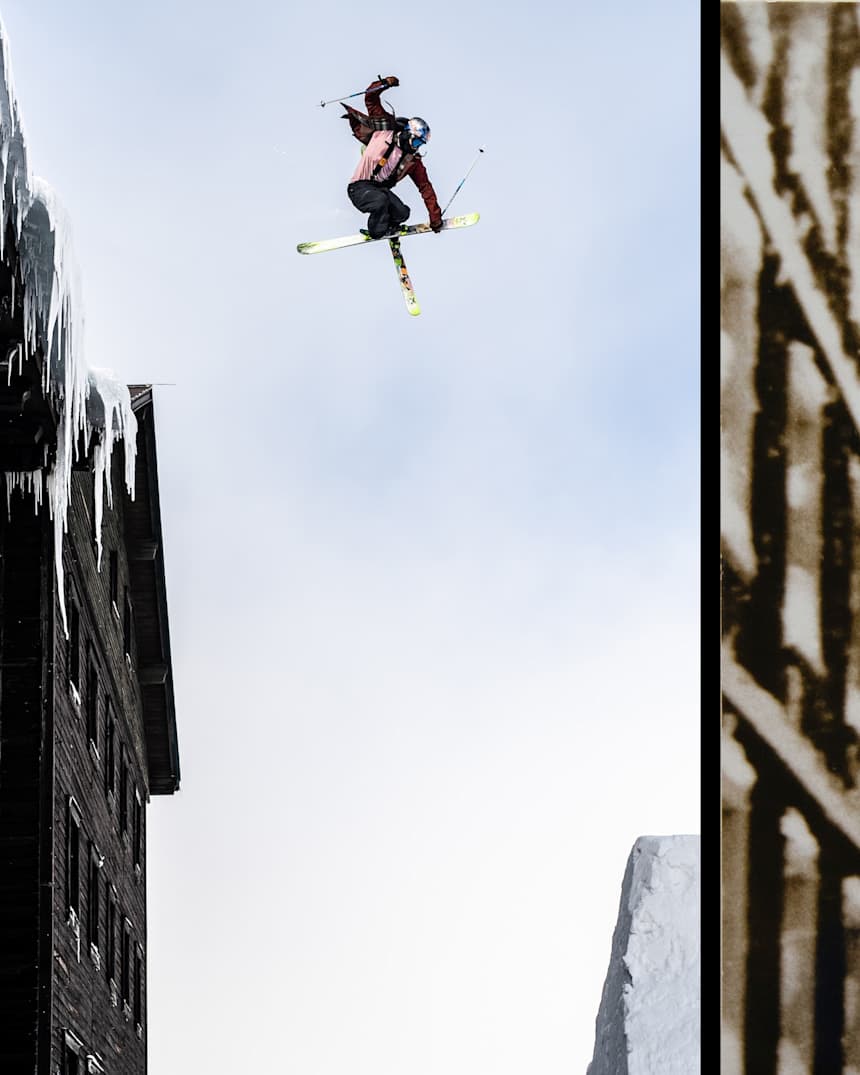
125 963
110 749
137 987
94 899
73 650
123 790
110 931
137 831
128 627
73 1047
92 699
73 859
113 578
94 529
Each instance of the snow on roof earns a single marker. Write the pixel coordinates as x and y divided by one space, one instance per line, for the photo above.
649 1018
87 400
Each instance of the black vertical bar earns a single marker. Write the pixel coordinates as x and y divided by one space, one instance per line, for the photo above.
759 640
765 923
829 969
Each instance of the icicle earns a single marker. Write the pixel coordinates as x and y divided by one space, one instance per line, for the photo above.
58 502
87 402
29 482
10 359
36 489
109 409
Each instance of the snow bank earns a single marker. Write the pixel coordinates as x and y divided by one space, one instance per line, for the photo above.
86 401
649 1018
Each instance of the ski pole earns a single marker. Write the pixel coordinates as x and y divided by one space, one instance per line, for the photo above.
348 96
463 180
345 98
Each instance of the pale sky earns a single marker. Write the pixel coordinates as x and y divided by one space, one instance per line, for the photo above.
433 582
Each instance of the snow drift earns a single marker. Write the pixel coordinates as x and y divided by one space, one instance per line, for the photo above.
649 1018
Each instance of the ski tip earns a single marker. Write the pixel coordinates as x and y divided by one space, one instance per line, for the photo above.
414 310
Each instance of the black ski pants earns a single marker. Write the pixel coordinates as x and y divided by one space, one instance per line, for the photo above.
387 211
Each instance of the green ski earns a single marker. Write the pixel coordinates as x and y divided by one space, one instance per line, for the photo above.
323 245
403 276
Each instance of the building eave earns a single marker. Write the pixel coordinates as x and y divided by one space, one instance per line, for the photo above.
145 555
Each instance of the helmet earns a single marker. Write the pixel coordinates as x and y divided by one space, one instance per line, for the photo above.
416 132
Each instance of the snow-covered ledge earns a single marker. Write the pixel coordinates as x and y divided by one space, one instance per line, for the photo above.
649 1019
86 400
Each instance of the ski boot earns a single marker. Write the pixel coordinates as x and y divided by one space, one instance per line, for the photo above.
392 233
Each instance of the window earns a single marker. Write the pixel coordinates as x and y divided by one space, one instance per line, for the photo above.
73 862
95 889
126 625
93 514
74 653
138 986
92 700
123 791
125 966
137 829
110 940
74 1058
114 578
110 748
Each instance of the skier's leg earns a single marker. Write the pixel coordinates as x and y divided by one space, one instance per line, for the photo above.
369 198
398 211
363 194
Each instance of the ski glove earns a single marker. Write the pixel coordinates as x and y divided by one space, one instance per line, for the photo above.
436 225
390 80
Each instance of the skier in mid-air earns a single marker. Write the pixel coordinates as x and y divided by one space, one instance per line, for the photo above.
391 152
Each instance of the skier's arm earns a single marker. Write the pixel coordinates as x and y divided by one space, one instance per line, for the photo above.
371 95
418 174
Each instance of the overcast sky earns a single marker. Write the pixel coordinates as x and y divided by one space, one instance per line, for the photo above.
433 582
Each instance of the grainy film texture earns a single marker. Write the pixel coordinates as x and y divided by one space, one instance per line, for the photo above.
790 537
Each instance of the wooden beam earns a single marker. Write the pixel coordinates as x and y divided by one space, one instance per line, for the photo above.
143 550
747 133
770 722
152 675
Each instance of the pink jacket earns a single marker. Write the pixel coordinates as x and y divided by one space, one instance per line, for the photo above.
377 130
379 147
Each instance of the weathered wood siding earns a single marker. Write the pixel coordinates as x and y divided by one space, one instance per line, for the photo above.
85 1001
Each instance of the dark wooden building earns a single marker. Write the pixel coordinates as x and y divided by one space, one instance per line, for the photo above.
87 727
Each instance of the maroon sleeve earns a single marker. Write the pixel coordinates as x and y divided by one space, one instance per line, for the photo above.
418 174
372 102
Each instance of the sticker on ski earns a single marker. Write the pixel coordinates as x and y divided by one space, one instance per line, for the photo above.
409 296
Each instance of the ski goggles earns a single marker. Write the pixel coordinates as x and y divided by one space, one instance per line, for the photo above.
418 133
